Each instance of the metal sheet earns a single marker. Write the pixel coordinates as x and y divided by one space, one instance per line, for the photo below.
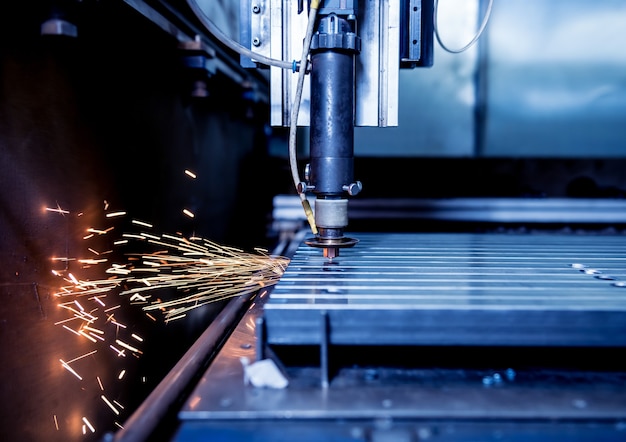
456 289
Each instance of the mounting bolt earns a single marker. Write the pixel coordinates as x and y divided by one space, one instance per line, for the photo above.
256 8
256 41
354 188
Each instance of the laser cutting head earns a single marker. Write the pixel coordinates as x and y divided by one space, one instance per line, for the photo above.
343 93
334 46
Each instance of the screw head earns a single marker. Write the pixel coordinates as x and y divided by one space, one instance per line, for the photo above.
256 41
354 188
510 374
256 8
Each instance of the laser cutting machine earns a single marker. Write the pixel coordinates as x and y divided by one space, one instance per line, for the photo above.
446 178
397 335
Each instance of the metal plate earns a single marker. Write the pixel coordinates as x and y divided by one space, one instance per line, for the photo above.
438 431
456 289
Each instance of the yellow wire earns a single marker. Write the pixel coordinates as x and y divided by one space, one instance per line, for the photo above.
294 116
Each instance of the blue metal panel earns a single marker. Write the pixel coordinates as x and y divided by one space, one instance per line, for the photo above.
547 79
437 104
556 79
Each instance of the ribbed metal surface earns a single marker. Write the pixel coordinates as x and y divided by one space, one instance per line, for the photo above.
475 289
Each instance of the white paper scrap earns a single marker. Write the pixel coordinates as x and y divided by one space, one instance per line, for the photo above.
264 373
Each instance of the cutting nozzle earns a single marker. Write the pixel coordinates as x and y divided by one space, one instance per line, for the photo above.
331 245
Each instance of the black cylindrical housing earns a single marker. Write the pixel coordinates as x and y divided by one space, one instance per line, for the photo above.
332 121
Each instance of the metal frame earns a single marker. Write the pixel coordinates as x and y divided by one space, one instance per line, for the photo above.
175 23
476 399
377 67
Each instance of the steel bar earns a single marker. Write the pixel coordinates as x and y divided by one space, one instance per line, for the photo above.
530 211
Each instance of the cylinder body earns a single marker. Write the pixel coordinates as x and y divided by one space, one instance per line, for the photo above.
332 121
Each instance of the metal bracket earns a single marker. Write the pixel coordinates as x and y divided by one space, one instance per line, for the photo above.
324 349
254 31
377 69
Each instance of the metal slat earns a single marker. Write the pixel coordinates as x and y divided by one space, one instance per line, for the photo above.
467 289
